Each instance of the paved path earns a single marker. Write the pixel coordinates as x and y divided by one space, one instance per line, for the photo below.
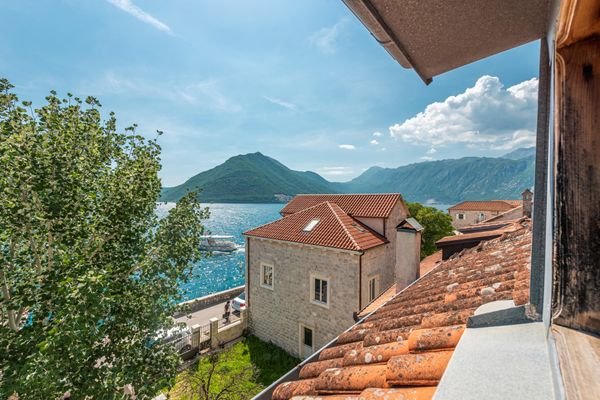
202 317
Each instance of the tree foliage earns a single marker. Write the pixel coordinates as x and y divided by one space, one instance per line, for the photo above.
437 225
217 377
88 273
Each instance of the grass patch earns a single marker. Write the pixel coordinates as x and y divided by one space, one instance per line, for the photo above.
237 373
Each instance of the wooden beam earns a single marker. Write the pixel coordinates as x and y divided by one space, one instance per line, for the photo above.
577 101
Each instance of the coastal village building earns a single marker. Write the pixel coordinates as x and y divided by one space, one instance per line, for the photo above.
473 212
517 316
312 271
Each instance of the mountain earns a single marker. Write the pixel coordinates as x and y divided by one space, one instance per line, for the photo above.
449 181
518 154
249 178
256 178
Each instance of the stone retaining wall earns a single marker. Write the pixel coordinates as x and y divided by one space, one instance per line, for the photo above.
200 303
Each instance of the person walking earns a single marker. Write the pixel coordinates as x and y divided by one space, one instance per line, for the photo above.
227 311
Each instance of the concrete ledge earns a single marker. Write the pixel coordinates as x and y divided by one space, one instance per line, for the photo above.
200 303
498 363
500 313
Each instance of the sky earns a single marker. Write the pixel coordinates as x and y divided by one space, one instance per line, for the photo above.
300 81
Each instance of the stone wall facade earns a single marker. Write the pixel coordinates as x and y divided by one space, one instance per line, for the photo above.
470 217
376 265
277 314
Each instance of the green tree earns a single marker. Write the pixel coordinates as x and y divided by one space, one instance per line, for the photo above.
437 225
88 273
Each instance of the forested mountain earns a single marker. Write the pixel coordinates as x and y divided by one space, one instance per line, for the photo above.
249 178
256 178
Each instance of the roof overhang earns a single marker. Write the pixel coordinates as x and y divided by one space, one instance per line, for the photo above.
433 36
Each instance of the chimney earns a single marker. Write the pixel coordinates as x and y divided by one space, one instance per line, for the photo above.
527 202
408 252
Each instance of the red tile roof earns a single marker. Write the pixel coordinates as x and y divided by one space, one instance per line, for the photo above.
403 348
430 262
335 229
356 205
488 205
481 235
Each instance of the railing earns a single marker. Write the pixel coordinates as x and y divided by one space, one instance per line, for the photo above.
204 337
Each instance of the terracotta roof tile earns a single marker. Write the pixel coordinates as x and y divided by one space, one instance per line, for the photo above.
356 205
486 205
402 349
482 235
418 393
423 369
334 229
294 388
429 262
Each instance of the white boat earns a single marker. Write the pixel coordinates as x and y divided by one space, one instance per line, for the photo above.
217 243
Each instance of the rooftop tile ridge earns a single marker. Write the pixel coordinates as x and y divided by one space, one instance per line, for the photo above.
284 217
349 194
335 213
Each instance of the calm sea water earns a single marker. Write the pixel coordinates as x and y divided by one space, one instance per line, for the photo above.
223 271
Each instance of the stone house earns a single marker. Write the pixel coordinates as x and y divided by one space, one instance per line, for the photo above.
474 212
311 272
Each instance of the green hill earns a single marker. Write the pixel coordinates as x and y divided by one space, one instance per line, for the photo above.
249 178
255 178
450 181
518 154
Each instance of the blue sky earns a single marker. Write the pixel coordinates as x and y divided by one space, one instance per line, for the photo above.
301 81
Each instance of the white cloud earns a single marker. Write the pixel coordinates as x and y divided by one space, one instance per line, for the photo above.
279 102
483 116
377 134
432 151
426 158
325 39
208 94
347 146
132 9
374 142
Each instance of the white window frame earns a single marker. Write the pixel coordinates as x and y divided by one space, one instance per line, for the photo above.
262 276
375 280
313 277
301 327
460 216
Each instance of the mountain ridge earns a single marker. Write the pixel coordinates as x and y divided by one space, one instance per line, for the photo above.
256 178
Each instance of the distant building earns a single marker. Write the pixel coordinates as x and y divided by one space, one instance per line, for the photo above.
474 212
311 272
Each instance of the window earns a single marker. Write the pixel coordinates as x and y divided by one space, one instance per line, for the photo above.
311 225
320 291
460 216
372 289
266 276
306 341
481 216
308 337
